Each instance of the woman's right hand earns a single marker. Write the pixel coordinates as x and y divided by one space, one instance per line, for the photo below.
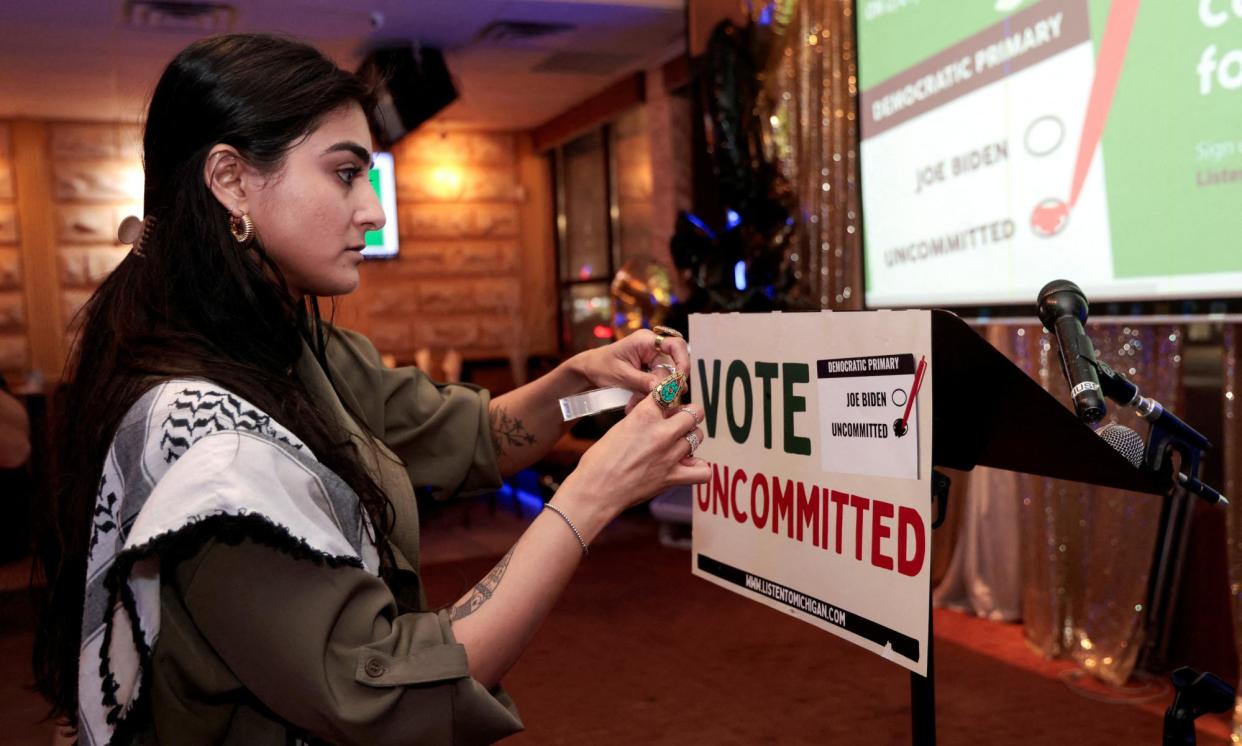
645 453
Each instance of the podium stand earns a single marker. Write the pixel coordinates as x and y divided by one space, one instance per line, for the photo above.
990 413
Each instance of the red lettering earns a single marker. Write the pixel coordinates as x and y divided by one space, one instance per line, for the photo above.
860 505
879 532
910 564
720 503
840 498
809 508
760 520
783 503
739 515
808 512
823 516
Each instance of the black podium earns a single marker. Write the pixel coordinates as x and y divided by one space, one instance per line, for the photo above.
988 412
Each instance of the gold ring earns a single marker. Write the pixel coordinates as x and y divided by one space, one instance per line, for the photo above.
666 331
667 392
658 340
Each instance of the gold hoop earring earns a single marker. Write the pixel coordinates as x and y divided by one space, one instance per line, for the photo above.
242 228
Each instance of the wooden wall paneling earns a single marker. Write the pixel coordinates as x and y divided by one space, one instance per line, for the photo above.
538 271
437 147
8 223
432 221
593 112
37 245
87 266
96 180
10 268
475 269
14 348
422 182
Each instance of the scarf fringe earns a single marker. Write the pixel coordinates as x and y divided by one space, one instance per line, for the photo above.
172 548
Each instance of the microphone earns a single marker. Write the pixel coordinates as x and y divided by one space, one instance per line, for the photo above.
1062 308
1124 441
1130 445
1123 391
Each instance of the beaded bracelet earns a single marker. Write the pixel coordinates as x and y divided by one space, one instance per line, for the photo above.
571 525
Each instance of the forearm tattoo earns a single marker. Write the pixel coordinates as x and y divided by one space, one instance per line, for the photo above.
508 432
482 591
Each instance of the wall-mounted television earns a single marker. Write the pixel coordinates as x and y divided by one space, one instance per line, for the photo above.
1006 143
384 244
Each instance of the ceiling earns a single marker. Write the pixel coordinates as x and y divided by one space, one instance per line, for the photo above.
80 59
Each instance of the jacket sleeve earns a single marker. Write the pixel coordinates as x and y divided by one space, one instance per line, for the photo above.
441 431
325 649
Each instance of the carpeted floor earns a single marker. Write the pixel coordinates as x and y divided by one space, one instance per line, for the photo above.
639 651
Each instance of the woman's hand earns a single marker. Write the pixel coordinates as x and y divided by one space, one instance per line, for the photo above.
626 362
645 453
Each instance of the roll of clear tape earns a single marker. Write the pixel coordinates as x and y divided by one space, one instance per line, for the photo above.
594 402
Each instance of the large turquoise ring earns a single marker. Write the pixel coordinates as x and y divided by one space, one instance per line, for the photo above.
668 392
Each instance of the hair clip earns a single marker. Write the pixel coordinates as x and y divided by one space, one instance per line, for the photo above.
133 231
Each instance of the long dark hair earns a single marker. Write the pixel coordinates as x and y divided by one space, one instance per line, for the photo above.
194 304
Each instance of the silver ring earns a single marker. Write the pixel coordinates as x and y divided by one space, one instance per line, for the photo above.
693 440
690 412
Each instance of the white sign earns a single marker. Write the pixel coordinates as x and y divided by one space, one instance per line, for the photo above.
833 529
863 424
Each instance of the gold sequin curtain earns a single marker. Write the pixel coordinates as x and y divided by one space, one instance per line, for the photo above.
1088 550
1232 453
810 86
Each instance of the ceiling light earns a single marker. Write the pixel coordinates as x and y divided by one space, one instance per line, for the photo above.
166 15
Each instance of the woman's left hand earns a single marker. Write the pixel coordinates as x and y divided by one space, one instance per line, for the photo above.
627 362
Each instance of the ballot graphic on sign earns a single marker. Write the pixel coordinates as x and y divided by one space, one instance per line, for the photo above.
863 425
819 445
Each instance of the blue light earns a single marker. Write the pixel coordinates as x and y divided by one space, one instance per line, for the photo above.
765 15
533 503
528 501
739 275
732 219
698 223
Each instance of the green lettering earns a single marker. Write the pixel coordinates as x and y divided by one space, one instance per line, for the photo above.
792 373
737 372
766 372
710 400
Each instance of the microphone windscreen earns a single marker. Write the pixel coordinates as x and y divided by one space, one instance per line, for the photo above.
1124 441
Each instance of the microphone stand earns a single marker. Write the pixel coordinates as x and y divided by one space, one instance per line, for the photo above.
1197 694
1169 434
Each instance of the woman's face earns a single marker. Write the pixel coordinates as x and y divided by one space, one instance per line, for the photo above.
312 213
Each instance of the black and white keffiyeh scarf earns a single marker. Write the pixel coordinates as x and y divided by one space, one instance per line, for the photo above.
190 459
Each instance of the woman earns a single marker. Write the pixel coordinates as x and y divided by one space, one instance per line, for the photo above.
236 553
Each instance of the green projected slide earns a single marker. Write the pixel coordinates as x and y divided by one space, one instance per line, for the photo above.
1009 143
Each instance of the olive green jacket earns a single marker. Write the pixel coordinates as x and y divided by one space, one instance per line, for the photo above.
260 647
